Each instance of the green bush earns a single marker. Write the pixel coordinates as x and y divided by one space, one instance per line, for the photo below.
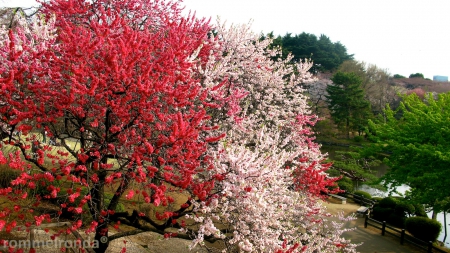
361 197
325 128
396 220
377 199
363 194
346 184
388 202
358 138
7 175
381 213
404 209
423 228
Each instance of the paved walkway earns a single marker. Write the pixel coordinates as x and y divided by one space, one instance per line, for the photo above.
374 242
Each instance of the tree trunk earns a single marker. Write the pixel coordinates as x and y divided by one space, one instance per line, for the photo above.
348 128
434 215
101 236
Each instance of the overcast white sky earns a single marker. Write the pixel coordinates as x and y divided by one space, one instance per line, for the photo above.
402 36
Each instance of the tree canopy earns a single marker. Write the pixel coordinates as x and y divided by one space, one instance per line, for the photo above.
398 76
417 75
416 144
326 55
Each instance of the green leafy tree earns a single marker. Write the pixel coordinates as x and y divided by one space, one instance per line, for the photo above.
398 76
417 75
348 107
416 139
326 55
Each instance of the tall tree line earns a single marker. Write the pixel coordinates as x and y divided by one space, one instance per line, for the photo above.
326 55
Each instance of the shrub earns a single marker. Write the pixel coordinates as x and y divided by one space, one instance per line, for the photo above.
363 194
381 213
377 199
388 202
396 220
325 128
423 228
358 138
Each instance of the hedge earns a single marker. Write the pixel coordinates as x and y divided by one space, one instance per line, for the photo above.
423 228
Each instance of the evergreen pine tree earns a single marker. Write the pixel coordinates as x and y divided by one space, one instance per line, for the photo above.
346 102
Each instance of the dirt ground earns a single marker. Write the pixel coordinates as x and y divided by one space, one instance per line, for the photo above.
334 206
371 239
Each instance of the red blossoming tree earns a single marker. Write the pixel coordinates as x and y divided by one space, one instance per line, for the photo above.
111 83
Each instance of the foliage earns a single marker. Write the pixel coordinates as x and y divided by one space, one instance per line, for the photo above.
362 198
419 210
363 194
418 91
158 105
388 202
417 145
346 102
377 199
423 228
355 166
392 211
404 209
398 76
358 138
346 184
417 75
379 88
381 213
326 55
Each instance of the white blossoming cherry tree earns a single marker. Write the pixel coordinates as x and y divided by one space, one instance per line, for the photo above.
269 172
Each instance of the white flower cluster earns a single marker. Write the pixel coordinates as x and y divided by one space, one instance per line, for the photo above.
257 207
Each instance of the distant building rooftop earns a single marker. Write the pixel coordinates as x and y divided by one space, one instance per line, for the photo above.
440 78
